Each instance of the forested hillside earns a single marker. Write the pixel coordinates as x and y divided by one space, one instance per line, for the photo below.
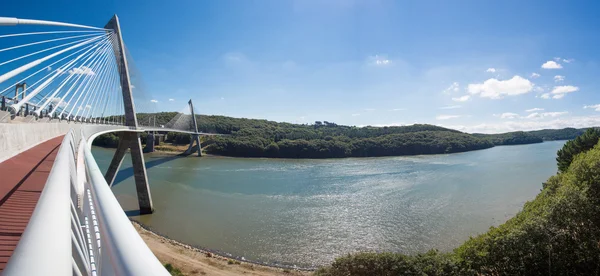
510 138
323 139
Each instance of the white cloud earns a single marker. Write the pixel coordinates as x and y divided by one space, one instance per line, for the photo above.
234 57
568 60
595 107
551 65
369 109
56 101
83 70
542 115
557 58
154 101
462 98
538 89
132 86
222 98
559 92
451 107
171 100
491 70
378 60
446 117
534 109
507 115
398 109
355 114
496 89
545 96
559 78
564 89
529 124
454 87
535 75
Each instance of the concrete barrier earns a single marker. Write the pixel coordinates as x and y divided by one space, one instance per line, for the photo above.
15 138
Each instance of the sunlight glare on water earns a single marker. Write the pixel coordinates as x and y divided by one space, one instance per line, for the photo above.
307 212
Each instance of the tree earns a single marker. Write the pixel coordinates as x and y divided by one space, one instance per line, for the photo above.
582 143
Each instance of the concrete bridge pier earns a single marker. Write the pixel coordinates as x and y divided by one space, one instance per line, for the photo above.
195 138
128 140
149 143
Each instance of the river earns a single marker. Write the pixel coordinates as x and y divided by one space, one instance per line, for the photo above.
307 212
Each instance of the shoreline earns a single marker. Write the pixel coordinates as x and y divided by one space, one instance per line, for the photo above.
182 256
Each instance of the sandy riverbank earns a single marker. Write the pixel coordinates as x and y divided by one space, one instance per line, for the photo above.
193 261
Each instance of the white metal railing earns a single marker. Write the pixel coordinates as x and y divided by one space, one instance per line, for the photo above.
78 227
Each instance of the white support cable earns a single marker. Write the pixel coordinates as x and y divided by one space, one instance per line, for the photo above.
85 90
93 92
51 32
12 21
99 93
116 87
41 51
47 75
34 63
16 107
37 112
123 110
103 90
40 70
87 82
108 84
47 41
51 96
111 87
91 65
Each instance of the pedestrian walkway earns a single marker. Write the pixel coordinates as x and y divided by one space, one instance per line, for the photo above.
22 179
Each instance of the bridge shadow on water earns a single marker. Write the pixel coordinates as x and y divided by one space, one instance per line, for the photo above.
128 172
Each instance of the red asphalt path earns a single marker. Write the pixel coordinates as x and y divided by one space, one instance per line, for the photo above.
22 179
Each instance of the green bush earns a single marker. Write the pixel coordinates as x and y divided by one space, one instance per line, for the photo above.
582 143
368 264
172 270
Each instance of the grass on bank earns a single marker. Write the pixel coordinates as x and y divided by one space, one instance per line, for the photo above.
173 270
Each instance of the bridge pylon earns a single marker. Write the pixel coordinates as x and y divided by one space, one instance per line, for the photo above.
128 140
195 136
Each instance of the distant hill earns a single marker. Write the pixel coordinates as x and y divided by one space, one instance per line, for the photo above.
558 134
323 139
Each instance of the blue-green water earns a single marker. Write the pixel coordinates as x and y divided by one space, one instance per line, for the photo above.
307 212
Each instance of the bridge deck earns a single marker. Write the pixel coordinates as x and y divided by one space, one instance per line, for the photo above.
22 179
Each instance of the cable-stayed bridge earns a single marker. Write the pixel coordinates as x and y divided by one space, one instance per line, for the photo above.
61 86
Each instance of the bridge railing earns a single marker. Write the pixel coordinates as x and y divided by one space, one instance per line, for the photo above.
46 245
78 227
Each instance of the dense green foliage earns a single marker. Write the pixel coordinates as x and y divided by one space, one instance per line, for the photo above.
421 142
431 263
557 233
262 138
511 138
173 270
109 140
558 134
581 143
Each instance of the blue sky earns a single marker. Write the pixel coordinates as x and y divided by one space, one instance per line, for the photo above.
469 65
